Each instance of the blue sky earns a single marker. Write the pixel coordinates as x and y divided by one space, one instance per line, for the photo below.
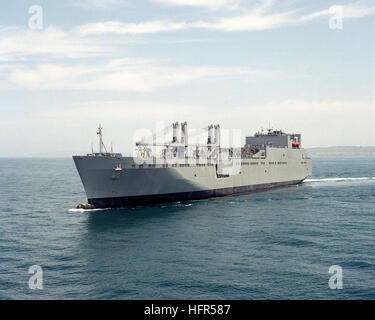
128 64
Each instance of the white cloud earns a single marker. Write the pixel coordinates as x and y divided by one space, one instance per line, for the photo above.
258 18
249 22
211 4
255 20
123 109
114 27
97 4
354 11
117 75
18 43
358 11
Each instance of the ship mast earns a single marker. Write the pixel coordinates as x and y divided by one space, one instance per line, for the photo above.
101 144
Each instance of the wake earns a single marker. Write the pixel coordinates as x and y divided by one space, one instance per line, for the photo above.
339 179
85 210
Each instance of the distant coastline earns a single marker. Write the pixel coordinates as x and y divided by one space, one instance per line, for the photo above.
341 151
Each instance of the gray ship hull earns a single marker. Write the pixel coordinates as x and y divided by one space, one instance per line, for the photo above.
151 182
185 196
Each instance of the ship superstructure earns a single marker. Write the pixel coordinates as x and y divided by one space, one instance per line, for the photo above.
178 170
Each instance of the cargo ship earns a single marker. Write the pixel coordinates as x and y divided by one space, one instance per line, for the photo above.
176 170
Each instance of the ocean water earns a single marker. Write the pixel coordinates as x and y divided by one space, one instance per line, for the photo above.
277 244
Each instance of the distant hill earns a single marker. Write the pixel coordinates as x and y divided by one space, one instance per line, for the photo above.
342 150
